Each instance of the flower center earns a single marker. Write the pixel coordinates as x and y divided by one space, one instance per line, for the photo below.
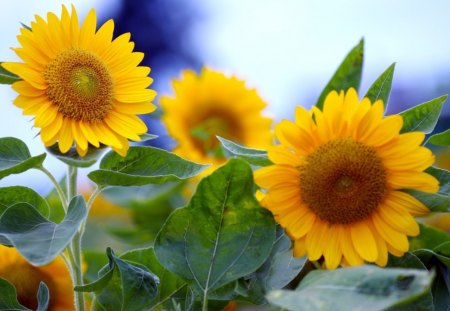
80 85
26 279
343 181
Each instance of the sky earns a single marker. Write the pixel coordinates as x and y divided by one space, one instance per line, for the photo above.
287 49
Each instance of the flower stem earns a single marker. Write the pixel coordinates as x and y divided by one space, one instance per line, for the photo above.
59 190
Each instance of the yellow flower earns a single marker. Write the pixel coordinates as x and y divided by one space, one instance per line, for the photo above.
80 86
211 104
337 177
26 278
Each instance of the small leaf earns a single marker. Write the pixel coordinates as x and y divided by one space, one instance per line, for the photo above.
43 297
381 88
143 165
434 201
443 176
123 286
35 237
147 137
73 158
362 288
15 157
8 297
347 75
423 117
253 156
222 235
18 194
440 139
7 77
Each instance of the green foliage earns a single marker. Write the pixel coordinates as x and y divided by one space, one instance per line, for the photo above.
362 288
443 176
431 244
10 196
434 201
15 157
423 117
381 88
73 158
7 77
347 75
141 166
221 235
252 156
123 285
440 139
35 237
8 297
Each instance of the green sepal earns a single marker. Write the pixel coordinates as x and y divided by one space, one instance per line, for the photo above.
348 74
440 139
7 77
253 156
72 157
141 166
15 157
381 88
423 117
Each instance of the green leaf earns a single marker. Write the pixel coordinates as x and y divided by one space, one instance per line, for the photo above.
347 75
434 201
170 285
7 77
381 88
440 139
8 297
253 156
143 165
441 288
73 158
18 194
443 176
123 286
431 243
147 137
43 297
423 117
15 157
362 288
223 233
35 237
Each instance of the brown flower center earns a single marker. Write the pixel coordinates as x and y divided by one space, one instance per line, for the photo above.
343 181
80 85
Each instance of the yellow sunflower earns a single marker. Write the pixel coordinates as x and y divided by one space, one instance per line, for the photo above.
81 86
337 177
211 104
26 278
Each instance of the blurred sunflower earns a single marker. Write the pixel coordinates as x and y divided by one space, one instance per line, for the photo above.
26 278
81 86
337 177
211 104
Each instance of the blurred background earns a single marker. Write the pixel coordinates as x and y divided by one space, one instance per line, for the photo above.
287 49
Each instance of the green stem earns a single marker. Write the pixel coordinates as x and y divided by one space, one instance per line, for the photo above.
205 301
59 190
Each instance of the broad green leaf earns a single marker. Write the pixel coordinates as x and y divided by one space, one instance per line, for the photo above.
223 233
43 297
443 176
15 157
143 165
441 288
18 194
35 237
362 288
253 156
381 88
431 243
347 75
170 285
440 139
123 285
434 201
8 297
423 117
7 77
73 158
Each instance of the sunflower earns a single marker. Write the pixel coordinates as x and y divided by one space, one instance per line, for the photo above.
81 86
211 104
26 278
337 177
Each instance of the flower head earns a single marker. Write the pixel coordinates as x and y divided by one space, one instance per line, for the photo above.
26 278
337 177
211 104
81 86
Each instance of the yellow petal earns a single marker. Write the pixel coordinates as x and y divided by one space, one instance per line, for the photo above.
364 241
